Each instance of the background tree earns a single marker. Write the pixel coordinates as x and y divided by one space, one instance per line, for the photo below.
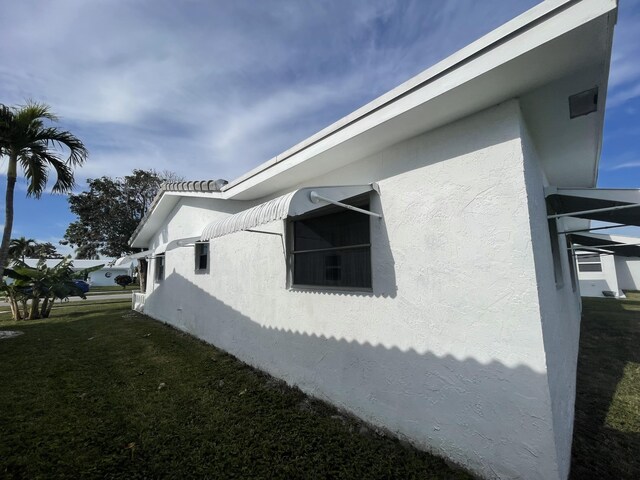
110 211
20 248
46 250
31 145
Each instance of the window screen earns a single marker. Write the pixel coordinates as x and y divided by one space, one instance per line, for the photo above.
332 250
202 256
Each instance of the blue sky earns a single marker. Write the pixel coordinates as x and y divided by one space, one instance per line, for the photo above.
210 89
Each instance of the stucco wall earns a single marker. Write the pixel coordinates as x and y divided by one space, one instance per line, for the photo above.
559 303
448 349
628 272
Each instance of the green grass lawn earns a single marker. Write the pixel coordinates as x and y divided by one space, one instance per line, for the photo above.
98 391
606 443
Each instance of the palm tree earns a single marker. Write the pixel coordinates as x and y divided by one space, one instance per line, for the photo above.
30 144
21 248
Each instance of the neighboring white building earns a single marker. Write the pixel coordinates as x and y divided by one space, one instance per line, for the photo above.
451 315
103 277
610 267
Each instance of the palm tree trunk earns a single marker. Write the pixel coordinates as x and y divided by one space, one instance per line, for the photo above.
8 219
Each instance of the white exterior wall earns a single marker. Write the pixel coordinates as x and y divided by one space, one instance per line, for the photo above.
592 284
559 304
628 272
450 350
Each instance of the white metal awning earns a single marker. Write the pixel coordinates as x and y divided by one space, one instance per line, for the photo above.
292 204
604 204
619 245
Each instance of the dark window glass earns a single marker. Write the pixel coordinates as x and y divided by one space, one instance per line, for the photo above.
160 268
590 267
202 256
588 258
332 250
555 252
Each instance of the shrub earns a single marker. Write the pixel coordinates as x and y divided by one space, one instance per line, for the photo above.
123 280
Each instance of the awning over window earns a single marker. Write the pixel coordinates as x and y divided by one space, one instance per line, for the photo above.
607 205
292 204
626 247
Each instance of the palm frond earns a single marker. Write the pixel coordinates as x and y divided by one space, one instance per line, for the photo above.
33 112
35 170
55 137
64 176
39 146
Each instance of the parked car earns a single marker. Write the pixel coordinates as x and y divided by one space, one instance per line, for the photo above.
82 285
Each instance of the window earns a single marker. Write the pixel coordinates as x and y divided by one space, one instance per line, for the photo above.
202 256
160 268
572 266
589 263
555 253
332 250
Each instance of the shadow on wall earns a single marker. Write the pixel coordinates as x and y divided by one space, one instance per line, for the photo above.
492 418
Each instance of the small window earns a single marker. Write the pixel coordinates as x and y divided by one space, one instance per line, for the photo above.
555 253
332 250
589 263
202 256
160 268
572 266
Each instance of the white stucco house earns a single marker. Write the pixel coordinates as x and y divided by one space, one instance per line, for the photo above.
607 265
411 262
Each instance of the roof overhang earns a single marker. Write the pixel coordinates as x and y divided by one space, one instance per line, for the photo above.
161 208
616 244
620 206
568 40
293 204
554 40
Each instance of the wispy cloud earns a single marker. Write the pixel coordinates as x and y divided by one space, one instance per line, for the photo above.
623 166
624 78
211 89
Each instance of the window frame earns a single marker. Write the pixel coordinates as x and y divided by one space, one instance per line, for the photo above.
198 255
589 262
160 258
359 201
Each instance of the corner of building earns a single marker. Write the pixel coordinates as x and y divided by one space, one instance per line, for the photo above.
558 300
